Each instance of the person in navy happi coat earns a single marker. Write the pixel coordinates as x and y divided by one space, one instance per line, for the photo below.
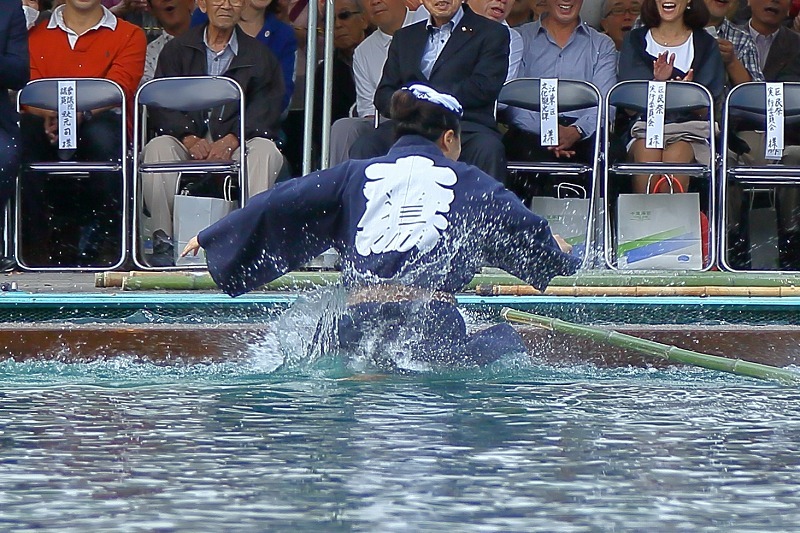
415 218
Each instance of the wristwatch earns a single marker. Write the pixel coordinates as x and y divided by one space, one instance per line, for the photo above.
580 130
87 116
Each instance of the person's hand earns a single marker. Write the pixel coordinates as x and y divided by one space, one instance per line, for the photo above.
689 76
567 137
222 149
198 148
662 66
31 3
192 247
564 245
51 127
727 51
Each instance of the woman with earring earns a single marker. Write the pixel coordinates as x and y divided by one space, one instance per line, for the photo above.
672 45
412 228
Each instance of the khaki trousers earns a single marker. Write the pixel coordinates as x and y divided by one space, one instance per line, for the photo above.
264 162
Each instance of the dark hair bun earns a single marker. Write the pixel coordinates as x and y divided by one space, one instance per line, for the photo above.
420 117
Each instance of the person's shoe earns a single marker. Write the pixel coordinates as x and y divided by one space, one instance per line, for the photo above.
8 264
163 250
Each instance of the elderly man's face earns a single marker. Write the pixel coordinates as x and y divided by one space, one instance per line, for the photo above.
496 10
442 10
222 14
770 13
350 24
386 13
619 18
564 11
172 14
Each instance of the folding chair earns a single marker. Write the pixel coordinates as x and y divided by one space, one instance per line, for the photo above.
631 97
746 111
184 94
573 95
91 94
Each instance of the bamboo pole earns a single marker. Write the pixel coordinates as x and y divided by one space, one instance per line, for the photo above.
656 349
202 281
527 290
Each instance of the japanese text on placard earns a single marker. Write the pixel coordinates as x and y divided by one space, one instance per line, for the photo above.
656 103
775 121
67 116
548 117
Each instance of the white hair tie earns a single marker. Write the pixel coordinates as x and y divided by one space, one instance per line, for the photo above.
423 92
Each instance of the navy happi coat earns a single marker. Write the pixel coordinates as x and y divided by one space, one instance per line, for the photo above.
412 217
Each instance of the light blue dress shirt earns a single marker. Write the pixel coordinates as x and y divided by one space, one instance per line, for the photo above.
588 56
437 39
218 62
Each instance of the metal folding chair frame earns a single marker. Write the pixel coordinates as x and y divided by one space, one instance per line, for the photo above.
677 99
573 95
183 94
43 93
748 101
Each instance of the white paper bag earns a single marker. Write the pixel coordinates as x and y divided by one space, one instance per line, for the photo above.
568 217
659 231
191 215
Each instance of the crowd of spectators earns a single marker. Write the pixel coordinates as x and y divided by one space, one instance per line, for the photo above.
466 49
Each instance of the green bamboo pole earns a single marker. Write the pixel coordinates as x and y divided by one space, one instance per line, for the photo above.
656 349
306 280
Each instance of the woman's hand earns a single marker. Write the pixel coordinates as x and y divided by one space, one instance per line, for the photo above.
663 66
689 76
191 248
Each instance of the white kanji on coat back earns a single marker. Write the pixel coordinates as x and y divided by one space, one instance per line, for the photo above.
405 205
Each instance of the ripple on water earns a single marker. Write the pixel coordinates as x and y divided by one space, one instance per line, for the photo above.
128 445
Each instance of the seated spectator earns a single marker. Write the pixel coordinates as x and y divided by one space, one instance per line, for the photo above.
520 13
174 17
348 32
498 10
618 18
219 48
673 45
82 39
457 52
13 76
559 46
778 50
260 20
368 60
136 12
737 48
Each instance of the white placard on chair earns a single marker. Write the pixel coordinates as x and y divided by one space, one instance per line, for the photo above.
656 103
775 121
548 115
67 116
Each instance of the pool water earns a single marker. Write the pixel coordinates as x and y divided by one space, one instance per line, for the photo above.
125 445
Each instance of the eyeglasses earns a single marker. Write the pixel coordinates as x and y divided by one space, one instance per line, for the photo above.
232 3
344 15
619 10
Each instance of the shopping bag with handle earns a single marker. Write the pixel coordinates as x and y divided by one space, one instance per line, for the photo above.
659 231
567 216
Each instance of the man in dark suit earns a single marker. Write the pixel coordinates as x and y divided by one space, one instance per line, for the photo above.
458 52
14 74
778 46
778 50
